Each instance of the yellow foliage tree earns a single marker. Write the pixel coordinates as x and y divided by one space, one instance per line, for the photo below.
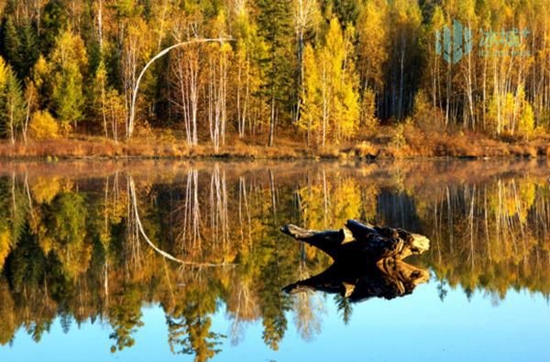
69 63
312 99
527 121
331 88
372 43
511 113
43 125
368 109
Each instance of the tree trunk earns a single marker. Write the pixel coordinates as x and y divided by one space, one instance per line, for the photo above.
271 120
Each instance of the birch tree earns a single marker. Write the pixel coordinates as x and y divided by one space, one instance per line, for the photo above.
68 64
306 14
186 68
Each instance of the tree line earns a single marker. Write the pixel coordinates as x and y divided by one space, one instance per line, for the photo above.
324 71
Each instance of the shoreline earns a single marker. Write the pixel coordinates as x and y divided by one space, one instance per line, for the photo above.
373 148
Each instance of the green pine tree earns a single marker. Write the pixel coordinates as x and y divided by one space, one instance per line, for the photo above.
12 104
278 88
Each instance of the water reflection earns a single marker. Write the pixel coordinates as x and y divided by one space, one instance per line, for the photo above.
71 245
357 282
368 261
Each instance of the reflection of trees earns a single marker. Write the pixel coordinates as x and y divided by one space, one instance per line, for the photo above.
125 316
190 213
63 232
72 248
30 286
308 308
327 200
13 210
7 306
189 322
492 236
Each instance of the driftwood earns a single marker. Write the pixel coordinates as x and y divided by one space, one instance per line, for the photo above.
367 261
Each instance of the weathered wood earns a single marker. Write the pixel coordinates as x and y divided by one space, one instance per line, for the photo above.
368 261
369 242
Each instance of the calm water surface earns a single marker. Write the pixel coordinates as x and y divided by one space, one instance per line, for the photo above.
161 261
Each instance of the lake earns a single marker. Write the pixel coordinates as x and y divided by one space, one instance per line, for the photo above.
185 261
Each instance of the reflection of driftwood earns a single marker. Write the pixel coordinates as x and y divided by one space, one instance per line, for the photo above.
368 261
389 279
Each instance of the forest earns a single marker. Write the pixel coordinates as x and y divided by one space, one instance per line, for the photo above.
70 246
316 72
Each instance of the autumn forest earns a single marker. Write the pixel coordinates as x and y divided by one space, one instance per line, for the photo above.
316 72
